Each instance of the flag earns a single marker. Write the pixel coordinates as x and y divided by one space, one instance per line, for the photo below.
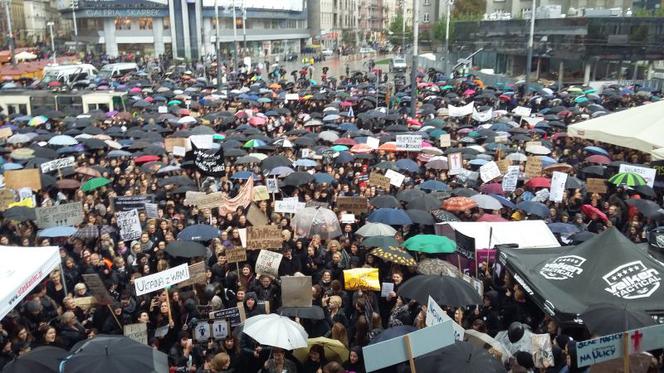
243 199
210 164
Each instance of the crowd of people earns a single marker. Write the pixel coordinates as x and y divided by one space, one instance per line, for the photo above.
263 133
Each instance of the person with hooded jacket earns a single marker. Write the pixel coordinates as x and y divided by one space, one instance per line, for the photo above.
251 307
488 312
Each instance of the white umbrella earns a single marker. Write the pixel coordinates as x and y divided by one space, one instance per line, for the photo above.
187 120
486 202
330 136
376 229
517 157
19 138
25 55
313 220
62 140
538 149
276 331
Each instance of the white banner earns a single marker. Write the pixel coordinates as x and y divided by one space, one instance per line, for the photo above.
511 178
161 280
288 206
522 111
396 178
558 180
489 171
57 164
647 173
483 116
454 111
409 142
129 224
60 215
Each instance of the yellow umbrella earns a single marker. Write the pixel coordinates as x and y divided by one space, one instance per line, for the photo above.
334 350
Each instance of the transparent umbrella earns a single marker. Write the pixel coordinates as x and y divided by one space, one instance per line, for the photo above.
314 220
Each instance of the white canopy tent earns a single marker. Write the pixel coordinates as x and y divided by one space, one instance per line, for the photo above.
21 269
640 128
526 233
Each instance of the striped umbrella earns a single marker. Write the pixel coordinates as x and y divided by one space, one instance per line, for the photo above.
627 178
459 204
395 255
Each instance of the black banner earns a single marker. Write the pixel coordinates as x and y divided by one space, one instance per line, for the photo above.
208 163
126 203
465 245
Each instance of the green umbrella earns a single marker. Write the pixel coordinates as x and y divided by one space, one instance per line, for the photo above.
174 102
339 148
447 87
95 183
380 241
430 243
627 178
581 99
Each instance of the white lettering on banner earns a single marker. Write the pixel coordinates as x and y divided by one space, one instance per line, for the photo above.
454 111
436 315
522 111
57 164
396 178
511 178
647 173
482 116
563 267
558 180
161 280
455 163
129 224
489 171
632 281
409 142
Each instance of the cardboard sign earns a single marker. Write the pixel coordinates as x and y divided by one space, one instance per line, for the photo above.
373 142
6 197
197 275
489 171
361 278
151 210
256 216
409 142
161 280
412 345
219 329
455 163
296 291
445 140
436 315
261 193
61 215
171 142
85 303
356 205
533 167
264 237
596 185
97 288
558 180
236 255
138 332
57 164
129 224
503 164
202 331
231 314
26 178
648 174
268 263
379 181
5 132
522 111
272 185
127 203
511 178
396 178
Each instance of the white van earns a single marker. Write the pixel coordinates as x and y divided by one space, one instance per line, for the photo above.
68 74
116 70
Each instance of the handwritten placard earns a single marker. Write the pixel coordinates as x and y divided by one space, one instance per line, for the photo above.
264 237
379 181
356 205
595 185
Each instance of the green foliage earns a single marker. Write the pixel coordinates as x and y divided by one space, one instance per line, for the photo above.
348 37
468 8
395 30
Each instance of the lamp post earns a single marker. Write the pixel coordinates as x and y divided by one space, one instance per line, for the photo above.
244 27
218 43
403 27
12 51
529 61
413 73
447 37
234 36
50 28
74 6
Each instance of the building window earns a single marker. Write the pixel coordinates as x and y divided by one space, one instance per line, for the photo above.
122 23
145 23
167 23
426 18
427 2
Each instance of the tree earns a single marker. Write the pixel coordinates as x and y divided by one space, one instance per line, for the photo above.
348 38
395 31
468 8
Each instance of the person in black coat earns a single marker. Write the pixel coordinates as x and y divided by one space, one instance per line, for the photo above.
289 265
71 331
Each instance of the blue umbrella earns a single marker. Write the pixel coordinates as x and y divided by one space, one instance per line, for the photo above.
281 171
596 150
348 127
504 201
547 161
435 185
11 166
344 157
71 149
408 165
198 232
390 217
478 162
243 175
57 232
323 178
534 208
563 228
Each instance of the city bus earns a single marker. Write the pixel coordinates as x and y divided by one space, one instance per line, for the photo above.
25 101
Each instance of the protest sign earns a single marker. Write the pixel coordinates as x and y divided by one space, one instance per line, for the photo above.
272 185
511 178
396 178
256 216
445 140
533 167
236 255
151 210
533 143
611 347
455 163
203 200
126 203
373 142
288 206
522 111
260 193
379 181
97 288
542 354
356 205
161 280
210 163
202 331
162 109
264 237
137 332
6 197
648 174
482 116
489 171
66 214
347 218
171 142
179 151
596 185
201 141
129 224
268 263
242 232
460 111
386 288
25 178
85 303
291 97
436 315
502 165
231 314
409 142
57 164
197 274
558 180
219 329
361 278
296 291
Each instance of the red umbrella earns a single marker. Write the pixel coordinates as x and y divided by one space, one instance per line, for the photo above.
599 159
146 159
345 141
257 121
492 218
539 182
459 204
346 104
492 188
590 210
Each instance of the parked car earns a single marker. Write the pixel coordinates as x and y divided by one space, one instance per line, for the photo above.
327 52
398 64
367 50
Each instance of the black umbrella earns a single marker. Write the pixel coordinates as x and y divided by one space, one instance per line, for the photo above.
444 216
648 208
464 192
175 180
574 182
275 161
409 195
426 203
450 291
298 178
312 313
603 319
460 357
644 190
43 359
107 353
19 213
421 217
385 201
185 249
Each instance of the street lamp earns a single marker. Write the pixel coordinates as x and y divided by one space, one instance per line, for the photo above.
218 44
12 52
50 28
447 37
529 61
74 6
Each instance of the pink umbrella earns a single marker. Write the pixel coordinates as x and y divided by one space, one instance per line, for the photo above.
599 159
492 218
361 148
135 90
492 188
345 141
346 104
257 121
469 92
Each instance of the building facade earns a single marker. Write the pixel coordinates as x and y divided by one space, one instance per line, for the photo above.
29 19
333 22
186 28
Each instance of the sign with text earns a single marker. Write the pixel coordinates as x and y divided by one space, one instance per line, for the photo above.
522 111
288 206
503 164
648 174
171 142
436 315
595 185
558 180
489 171
511 178
356 205
409 142
231 314
256 216
296 291
396 178
161 280
203 200
460 111
445 140
610 346
533 167
379 181
268 263
129 224
126 203
264 237
60 215
261 193
57 164
272 185
97 288
26 178
197 275
137 332
236 255
151 210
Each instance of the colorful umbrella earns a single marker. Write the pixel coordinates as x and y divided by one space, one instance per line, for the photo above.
395 255
430 243
627 178
95 183
590 210
459 204
38 120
